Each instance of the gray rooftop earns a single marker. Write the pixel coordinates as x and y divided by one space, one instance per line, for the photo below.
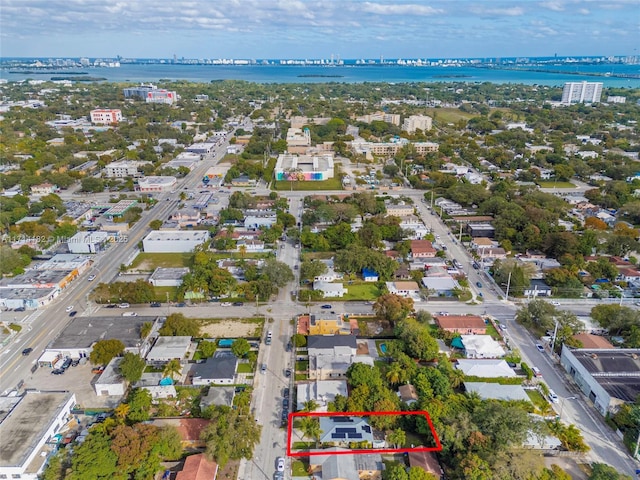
111 374
331 341
36 277
26 424
601 362
167 348
218 396
161 273
82 332
25 293
499 392
218 367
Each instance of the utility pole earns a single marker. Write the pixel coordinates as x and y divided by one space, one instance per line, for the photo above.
460 234
553 340
508 286
432 198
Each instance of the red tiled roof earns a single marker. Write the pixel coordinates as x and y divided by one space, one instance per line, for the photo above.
422 246
592 341
198 467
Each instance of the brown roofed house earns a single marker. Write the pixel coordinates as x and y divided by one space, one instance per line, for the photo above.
463 324
592 341
426 461
189 429
408 394
198 467
422 249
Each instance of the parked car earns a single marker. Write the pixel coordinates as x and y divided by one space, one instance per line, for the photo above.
96 370
75 362
539 347
553 397
73 314
287 372
237 304
263 368
280 464
326 307
27 351
555 303
91 278
124 305
66 364
155 304
69 308
503 326
129 314
285 392
478 284
536 371
181 304
225 304
57 371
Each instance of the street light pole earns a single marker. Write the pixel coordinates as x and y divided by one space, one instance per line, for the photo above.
508 286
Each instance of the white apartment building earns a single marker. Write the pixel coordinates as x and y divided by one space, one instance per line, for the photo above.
161 95
417 122
392 118
122 169
581 92
105 116
157 184
616 99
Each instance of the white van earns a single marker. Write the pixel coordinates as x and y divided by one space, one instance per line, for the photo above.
552 396
536 372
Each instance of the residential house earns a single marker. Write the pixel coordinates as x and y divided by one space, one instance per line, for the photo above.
369 275
198 467
480 230
330 290
629 275
537 288
189 429
414 226
592 342
463 324
440 286
367 466
254 219
343 430
482 242
408 394
161 392
169 348
407 288
335 324
493 368
400 210
219 370
331 355
422 249
427 461
44 189
481 346
110 382
218 396
321 391
495 391
250 245
492 253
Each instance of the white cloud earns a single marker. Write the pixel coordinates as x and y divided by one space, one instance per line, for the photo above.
556 6
399 9
506 11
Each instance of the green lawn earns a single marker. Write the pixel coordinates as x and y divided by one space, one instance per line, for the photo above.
161 294
149 261
299 377
493 332
448 115
245 368
302 365
556 185
361 291
299 467
331 184
537 399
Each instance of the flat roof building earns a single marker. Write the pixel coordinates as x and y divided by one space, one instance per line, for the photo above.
123 168
105 116
168 277
169 348
304 167
24 431
581 92
173 241
157 184
609 377
417 122
88 242
120 208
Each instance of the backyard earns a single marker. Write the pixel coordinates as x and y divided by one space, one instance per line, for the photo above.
150 261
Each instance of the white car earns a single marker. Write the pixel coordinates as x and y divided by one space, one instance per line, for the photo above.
124 305
553 397
69 308
129 314
91 278
555 304
280 464
225 304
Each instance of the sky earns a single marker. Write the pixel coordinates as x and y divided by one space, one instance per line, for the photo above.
350 29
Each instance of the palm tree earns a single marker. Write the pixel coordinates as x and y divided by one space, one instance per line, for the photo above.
242 249
309 406
172 368
311 428
395 374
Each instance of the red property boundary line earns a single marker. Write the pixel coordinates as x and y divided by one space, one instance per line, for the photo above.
424 414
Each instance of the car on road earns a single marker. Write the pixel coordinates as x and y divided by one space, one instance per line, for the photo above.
129 314
552 396
536 371
287 372
181 304
263 368
155 304
110 306
237 304
285 392
443 314
124 305
555 304
27 351
69 308
539 347
326 307
91 278
225 304
66 364
73 314
57 371
280 464
503 326
75 362
478 284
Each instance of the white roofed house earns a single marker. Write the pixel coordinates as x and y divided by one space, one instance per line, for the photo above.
330 290
485 368
169 348
481 346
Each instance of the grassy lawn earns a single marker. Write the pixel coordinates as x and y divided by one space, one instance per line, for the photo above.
537 399
236 255
361 291
378 343
149 261
493 332
299 468
302 365
448 115
413 439
303 446
161 293
331 184
300 377
556 185
245 368
317 255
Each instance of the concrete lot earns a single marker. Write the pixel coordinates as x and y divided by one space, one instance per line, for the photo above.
78 380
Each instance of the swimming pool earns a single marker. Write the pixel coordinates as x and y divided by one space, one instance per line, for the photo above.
383 347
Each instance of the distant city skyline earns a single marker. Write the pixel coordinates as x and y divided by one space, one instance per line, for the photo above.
318 28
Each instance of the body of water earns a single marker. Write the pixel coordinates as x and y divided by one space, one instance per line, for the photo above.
552 76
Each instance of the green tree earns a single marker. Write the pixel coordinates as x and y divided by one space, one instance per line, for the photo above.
392 308
207 348
418 342
299 340
417 473
94 458
230 436
395 472
277 272
139 402
92 185
240 347
397 438
172 368
155 224
601 471
309 269
132 366
177 325
104 350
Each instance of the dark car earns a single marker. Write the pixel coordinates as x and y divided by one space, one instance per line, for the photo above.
75 362
478 284
66 364
57 371
237 304
73 314
27 351
181 304
326 307
285 392
155 304
287 372
20 309
285 403
110 306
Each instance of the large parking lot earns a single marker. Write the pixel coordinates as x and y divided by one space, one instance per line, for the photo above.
78 380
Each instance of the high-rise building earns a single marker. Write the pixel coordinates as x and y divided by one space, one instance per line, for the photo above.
417 122
161 96
138 92
581 92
